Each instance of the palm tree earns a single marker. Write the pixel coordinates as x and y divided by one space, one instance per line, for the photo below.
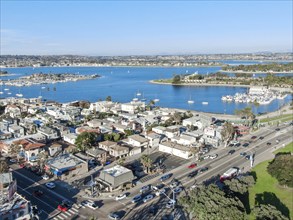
85 140
146 161
227 132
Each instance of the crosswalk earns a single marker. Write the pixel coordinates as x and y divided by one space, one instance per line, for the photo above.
73 211
149 177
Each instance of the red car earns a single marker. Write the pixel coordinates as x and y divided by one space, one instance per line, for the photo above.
64 206
193 165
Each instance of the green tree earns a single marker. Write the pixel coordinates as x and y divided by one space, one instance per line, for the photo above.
209 202
268 212
121 161
116 137
4 168
227 132
281 168
176 79
108 98
85 140
247 113
128 132
146 161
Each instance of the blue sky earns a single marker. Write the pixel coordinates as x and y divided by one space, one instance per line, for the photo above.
145 27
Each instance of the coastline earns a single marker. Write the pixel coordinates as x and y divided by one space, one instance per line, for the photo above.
215 85
250 72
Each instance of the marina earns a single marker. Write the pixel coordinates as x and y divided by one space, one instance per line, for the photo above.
260 95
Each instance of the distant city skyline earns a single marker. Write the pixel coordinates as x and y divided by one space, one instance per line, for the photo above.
113 28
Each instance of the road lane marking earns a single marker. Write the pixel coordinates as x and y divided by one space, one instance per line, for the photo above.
37 184
37 199
71 211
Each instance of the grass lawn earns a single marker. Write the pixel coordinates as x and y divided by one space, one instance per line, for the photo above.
282 118
287 148
266 183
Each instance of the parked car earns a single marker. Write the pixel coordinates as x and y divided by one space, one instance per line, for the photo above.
114 216
245 144
261 137
277 129
38 193
120 197
148 198
171 203
213 156
136 198
193 165
206 157
269 144
231 152
50 185
22 165
253 137
45 177
165 177
12 160
203 169
144 188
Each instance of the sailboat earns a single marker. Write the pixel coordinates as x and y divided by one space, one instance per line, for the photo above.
143 98
190 101
138 93
19 94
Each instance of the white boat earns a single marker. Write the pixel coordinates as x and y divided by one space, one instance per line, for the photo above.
156 100
1 92
9 93
43 87
190 101
135 99
138 94
6 89
19 95
205 103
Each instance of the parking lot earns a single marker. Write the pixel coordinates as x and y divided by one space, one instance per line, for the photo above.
169 161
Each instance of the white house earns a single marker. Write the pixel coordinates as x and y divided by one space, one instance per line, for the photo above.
133 106
70 138
154 139
176 149
13 111
159 129
137 141
172 131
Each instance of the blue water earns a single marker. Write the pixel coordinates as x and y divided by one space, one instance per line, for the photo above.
123 83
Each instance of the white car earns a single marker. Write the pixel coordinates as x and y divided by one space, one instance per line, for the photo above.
171 203
92 205
148 198
206 157
120 197
213 156
174 184
160 192
144 188
45 177
50 185
13 160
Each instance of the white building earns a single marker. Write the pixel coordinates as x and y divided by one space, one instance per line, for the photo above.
133 106
176 149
